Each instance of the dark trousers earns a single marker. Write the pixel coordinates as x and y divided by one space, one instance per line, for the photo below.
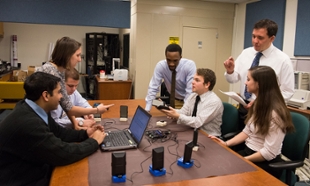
265 164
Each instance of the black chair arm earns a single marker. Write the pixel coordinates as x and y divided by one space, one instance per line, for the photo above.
228 136
287 165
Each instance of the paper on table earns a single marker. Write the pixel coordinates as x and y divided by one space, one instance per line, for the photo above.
235 96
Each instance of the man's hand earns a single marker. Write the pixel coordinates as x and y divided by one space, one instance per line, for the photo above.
76 125
91 129
96 131
229 64
98 136
172 113
90 116
89 122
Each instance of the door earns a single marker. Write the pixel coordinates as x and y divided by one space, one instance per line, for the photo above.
126 40
199 45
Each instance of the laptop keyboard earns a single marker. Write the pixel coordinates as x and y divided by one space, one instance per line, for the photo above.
117 139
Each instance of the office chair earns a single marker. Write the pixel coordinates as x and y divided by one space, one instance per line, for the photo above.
295 146
230 121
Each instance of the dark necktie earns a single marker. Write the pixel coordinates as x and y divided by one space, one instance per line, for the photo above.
172 91
255 63
195 106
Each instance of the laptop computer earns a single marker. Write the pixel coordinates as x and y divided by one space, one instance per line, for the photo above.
129 138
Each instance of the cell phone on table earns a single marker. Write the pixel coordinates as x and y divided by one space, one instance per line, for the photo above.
98 115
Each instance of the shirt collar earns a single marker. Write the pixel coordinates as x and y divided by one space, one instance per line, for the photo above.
37 109
204 95
268 51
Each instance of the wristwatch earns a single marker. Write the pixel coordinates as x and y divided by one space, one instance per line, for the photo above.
81 122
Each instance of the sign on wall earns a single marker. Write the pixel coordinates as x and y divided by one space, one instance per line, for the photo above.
174 40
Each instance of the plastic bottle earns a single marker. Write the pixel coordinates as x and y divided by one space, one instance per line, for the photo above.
102 74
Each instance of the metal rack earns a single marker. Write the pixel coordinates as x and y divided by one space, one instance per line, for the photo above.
101 48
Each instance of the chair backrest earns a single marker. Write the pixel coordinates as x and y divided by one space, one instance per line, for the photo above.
294 144
230 119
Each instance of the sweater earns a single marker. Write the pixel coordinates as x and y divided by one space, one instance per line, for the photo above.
30 149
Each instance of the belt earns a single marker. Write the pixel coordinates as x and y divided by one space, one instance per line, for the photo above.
178 99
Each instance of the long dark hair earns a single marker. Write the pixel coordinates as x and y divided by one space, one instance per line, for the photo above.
269 99
64 49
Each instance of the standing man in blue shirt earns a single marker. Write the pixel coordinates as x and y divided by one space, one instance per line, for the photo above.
72 78
185 71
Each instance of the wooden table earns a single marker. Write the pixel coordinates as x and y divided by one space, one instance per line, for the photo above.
303 112
112 90
77 173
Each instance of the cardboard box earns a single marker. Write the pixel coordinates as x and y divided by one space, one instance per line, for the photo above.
19 75
31 70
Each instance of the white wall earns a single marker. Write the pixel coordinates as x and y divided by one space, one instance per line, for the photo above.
33 40
153 22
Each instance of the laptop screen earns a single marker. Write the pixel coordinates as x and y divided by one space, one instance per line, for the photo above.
139 123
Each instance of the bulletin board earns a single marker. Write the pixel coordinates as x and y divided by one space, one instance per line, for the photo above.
302 39
265 9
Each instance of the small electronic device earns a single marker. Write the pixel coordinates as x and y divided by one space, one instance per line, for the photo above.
195 137
186 161
155 134
158 158
160 104
118 166
123 113
157 166
188 152
97 116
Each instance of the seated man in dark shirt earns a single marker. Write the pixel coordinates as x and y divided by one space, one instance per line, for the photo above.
32 143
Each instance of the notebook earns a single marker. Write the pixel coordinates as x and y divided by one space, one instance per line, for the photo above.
129 138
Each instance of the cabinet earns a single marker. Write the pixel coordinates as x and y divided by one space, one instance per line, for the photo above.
1 30
112 90
101 48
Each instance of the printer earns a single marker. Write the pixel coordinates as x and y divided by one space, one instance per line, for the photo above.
120 75
300 99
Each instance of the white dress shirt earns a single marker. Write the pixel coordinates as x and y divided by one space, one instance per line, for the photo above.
61 117
209 113
272 57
